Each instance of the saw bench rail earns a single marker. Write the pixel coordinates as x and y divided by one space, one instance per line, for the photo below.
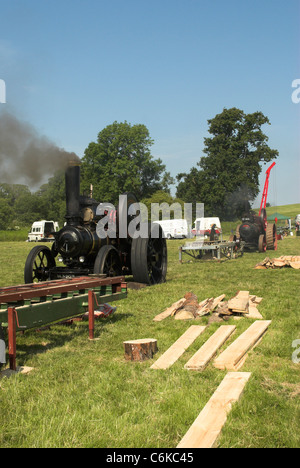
35 305
227 249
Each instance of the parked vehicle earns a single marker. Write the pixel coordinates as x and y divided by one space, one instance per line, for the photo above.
42 231
203 226
174 228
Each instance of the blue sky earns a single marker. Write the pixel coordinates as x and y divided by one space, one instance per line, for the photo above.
72 67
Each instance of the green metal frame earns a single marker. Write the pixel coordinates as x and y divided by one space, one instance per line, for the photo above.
39 311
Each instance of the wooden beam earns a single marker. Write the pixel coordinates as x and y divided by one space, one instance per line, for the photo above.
178 348
170 310
202 357
239 303
234 356
207 427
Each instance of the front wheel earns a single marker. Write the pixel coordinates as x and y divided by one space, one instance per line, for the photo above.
149 257
108 261
262 246
38 264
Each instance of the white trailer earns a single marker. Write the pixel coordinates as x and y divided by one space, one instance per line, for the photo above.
202 226
42 231
174 228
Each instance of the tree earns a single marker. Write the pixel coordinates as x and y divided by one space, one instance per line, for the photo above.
228 178
5 214
120 161
155 205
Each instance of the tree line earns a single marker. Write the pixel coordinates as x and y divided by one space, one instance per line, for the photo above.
226 178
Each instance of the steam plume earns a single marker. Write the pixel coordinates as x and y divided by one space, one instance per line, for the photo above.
25 156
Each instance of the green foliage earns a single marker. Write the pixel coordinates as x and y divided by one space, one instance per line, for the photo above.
19 207
121 162
228 178
158 199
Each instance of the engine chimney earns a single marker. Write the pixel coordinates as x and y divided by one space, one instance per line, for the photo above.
72 177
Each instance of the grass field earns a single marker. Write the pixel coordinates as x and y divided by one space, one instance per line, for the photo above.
83 393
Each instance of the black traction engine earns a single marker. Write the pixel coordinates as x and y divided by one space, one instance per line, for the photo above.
86 246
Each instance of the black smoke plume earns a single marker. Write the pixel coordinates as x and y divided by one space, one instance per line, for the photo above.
27 157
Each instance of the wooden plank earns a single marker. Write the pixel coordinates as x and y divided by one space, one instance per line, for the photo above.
239 303
207 427
169 311
253 312
217 301
178 348
234 356
202 357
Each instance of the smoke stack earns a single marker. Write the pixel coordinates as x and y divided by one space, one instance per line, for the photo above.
72 177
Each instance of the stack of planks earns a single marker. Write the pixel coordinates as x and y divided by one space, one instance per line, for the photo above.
292 261
243 304
188 308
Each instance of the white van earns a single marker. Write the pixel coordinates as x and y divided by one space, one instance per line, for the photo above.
202 226
174 228
41 231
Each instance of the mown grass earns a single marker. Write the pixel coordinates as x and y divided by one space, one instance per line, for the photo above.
83 393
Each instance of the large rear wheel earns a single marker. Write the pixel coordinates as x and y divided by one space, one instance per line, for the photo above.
149 257
271 237
38 264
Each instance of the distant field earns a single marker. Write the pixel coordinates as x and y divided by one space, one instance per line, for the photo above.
286 210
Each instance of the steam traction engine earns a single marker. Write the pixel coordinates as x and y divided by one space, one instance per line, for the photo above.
255 231
83 252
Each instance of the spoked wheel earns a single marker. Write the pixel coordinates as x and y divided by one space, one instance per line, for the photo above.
271 237
38 264
149 257
108 261
262 246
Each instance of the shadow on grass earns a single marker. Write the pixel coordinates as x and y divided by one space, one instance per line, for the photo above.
40 340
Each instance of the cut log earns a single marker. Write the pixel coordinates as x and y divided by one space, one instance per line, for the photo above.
235 355
202 357
183 314
179 347
191 304
140 350
207 427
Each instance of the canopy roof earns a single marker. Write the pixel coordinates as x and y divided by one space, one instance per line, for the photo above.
278 216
